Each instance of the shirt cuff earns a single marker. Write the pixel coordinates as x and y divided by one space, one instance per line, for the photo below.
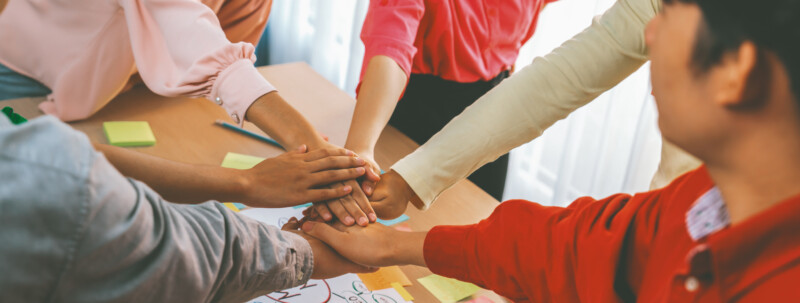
444 251
300 272
237 87
422 188
397 51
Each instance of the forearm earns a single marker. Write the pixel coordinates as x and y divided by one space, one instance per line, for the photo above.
523 106
380 90
272 114
409 248
175 181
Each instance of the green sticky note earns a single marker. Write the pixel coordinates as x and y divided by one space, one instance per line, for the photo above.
129 133
239 161
448 290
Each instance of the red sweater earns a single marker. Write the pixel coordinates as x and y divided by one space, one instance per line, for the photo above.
624 248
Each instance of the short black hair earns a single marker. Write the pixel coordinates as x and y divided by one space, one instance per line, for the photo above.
772 25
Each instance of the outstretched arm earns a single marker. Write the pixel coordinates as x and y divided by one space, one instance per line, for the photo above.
521 107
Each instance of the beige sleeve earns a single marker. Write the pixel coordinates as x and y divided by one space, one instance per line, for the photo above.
524 105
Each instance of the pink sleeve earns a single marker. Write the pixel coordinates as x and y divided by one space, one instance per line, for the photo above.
180 49
390 29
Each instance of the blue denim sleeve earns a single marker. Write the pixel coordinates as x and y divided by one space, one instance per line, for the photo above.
74 229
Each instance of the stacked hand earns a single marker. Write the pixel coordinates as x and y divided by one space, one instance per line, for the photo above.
327 262
299 176
375 245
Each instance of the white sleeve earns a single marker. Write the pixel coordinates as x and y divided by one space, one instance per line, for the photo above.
524 105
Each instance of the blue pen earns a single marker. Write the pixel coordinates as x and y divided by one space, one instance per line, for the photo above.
247 132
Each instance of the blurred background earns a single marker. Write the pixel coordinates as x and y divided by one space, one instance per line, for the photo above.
609 146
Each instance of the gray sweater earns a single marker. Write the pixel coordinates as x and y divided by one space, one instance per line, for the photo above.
73 229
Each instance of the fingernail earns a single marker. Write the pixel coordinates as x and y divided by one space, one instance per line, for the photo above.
360 170
347 188
327 217
292 220
349 220
360 161
350 153
368 189
363 221
372 217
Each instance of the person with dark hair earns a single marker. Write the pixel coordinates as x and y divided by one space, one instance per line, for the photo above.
726 79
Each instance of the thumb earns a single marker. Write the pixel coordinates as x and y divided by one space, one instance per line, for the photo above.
373 175
385 210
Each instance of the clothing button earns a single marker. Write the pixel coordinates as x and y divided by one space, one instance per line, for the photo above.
218 101
235 118
692 284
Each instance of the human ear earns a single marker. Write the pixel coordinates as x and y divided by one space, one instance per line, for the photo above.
739 83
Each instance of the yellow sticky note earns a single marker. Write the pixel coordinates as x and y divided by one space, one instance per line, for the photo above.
383 278
231 206
402 291
448 290
129 133
239 161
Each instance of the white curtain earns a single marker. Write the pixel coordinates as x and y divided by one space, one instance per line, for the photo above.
322 33
611 145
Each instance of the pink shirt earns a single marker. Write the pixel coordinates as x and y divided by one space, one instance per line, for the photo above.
457 40
86 50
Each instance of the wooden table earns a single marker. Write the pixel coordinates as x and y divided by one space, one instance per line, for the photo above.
185 132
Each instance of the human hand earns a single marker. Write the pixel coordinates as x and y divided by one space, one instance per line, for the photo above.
349 209
295 177
327 262
392 195
375 245
373 175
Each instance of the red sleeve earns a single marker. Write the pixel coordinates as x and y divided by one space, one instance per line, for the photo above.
526 251
390 29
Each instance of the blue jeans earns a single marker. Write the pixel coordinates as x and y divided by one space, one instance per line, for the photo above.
14 85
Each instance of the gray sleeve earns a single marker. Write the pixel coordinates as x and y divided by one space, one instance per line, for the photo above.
137 247
88 234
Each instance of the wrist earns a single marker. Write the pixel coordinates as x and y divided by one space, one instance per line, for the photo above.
408 248
237 185
405 190
360 149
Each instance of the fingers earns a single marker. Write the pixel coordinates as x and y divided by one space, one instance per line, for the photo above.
373 175
337 175
338 210
324 194
293 224
334 162
327 152
322 209
368 187
361 205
